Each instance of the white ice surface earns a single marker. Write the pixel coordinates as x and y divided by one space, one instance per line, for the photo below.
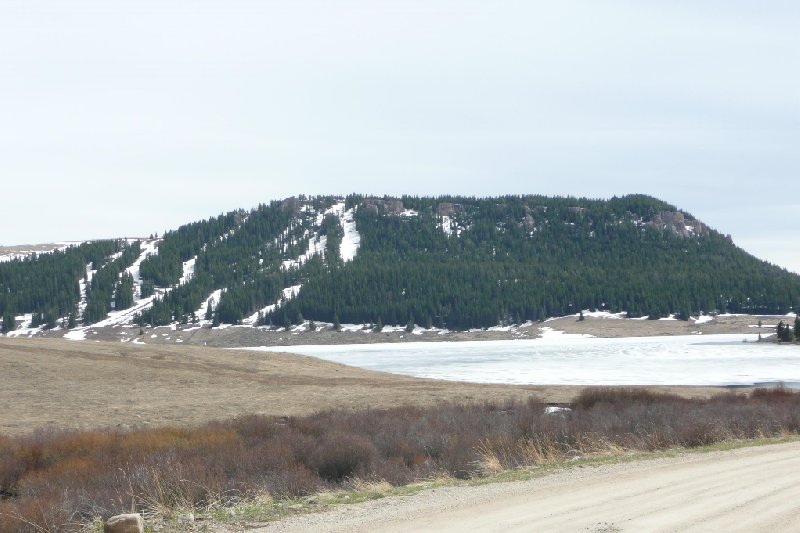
676 360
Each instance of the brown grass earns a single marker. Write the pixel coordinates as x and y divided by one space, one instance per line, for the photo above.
59 480
86 385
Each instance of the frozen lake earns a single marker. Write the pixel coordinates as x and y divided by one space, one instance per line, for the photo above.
570 360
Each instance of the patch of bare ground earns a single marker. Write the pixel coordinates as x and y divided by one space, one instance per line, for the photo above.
622 327
54 383
242 336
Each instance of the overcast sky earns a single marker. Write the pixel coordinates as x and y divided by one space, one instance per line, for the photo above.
129 118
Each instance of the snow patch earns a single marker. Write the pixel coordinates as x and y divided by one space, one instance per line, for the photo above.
351 240
550 333
447 225
702 319
287 294
125 316
148 248
188 270
201 312
603 315
316 245
78 334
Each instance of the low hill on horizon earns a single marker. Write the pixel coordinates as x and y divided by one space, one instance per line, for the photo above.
449 262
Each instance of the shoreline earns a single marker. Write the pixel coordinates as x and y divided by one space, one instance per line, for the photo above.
601 325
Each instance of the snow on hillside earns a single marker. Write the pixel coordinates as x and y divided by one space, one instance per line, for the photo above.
351 239
148 248
24 329
316 245
288 294
9 253
212 299
447 226
348 248
125 317
188 270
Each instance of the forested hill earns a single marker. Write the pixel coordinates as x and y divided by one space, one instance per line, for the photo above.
451 262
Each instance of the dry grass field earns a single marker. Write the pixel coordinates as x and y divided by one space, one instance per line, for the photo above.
59 384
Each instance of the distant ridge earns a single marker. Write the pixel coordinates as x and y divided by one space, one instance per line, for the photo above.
450 262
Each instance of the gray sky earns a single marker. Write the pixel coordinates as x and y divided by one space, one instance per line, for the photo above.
128 118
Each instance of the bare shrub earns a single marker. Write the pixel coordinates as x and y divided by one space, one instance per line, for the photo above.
58 481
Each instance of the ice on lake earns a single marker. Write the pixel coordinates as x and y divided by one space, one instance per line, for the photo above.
676 360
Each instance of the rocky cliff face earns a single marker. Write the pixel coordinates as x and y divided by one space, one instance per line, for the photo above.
676 222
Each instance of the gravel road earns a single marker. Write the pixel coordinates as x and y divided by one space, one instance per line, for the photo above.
748 489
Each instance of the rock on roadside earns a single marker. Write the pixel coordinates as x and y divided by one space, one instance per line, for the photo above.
124 523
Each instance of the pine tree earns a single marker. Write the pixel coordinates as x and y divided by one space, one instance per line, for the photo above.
785 333
9 324
797 327
410 324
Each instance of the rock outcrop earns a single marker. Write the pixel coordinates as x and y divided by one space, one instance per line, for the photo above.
677 223
376 205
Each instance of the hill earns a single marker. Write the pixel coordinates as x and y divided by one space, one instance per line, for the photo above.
448 262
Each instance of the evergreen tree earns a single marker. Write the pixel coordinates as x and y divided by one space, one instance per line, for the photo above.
9 324
147 288
797 327
785 333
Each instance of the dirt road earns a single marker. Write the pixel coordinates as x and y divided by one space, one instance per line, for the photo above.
749 489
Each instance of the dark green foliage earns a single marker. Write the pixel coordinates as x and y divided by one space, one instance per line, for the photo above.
47 285
785 332
9 324
510 259
246 262
123 294
147 288
110 284
528 258
797 327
